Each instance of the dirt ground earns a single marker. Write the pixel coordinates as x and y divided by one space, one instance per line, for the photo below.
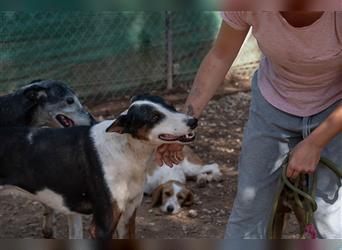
219 140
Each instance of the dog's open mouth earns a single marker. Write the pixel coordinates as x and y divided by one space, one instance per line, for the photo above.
172 138
65 121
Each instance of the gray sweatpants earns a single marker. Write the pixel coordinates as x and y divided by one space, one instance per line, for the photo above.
269 134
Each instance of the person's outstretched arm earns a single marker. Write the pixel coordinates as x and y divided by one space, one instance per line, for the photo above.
214 68
305 156
209 77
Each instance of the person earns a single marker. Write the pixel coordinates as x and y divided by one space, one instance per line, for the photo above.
296 107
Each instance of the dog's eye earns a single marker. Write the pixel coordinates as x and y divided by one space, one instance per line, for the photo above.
70 100
181 198
155 117
168 194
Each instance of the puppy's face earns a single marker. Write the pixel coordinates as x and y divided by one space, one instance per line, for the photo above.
172 196
150 118
55 105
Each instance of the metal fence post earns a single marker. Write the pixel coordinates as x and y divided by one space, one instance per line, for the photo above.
168 48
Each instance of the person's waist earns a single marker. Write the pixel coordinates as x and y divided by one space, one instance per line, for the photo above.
300 81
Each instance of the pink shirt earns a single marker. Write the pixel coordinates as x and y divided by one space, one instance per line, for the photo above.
301 70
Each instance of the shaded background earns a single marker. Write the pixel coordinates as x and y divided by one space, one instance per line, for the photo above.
108 55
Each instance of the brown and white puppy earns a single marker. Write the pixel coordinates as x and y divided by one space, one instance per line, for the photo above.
167 185
172 196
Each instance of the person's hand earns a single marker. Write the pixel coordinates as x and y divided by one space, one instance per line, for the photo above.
169 154
303 159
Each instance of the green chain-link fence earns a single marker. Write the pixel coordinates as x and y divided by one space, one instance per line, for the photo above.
104 55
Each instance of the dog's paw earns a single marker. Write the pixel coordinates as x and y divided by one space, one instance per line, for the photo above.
209 173
201 180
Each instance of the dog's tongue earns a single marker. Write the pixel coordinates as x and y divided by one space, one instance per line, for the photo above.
65 121
169 137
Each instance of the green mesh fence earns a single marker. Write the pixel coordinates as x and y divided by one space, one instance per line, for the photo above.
102 55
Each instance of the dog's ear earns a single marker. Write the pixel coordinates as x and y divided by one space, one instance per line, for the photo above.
189 200
134 98
118 126
139 97
157 196
36 94
36 80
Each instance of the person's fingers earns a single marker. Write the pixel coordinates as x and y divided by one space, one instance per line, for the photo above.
295 174
158 159
167 160
174 158
168 163
162 148
310 171
169 154
292 172
180 156
289 172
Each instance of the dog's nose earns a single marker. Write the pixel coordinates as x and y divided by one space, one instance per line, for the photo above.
170 209
192 123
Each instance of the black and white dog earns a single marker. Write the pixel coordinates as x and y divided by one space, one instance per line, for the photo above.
105 164
47 103
43 103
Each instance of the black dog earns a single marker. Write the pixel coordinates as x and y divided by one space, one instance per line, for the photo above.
46 103
43 103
